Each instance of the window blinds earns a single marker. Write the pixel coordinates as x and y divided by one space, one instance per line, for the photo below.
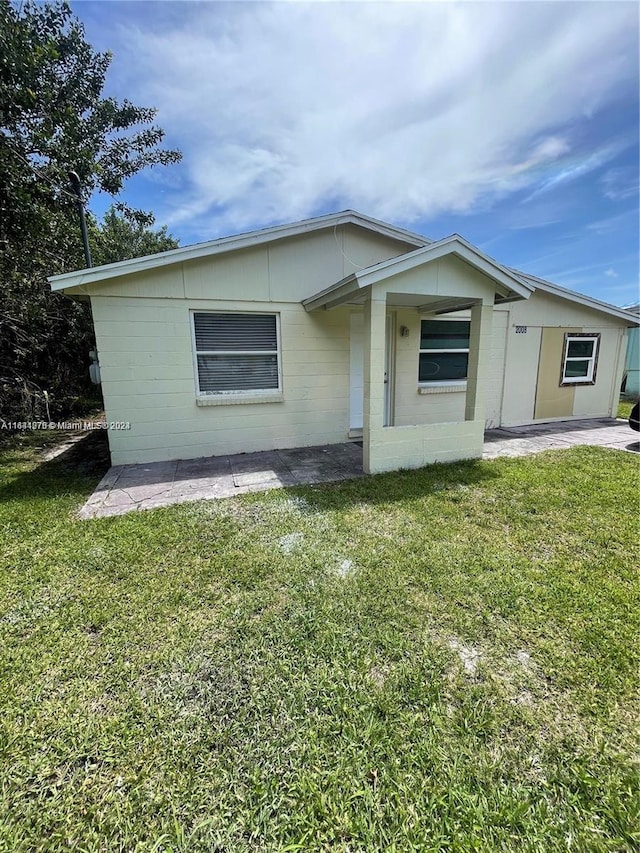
236 352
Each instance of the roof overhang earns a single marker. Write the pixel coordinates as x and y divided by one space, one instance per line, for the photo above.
83 278
627 314
509 286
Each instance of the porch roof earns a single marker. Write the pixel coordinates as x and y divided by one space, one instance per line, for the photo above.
354 287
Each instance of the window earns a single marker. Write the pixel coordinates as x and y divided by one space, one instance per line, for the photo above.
236 353
580 359
444 351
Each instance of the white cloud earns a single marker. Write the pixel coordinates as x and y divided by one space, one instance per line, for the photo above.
574 170
400 110
611 273
620 183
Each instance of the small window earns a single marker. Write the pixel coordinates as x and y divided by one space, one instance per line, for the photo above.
236 353
444 351
580 359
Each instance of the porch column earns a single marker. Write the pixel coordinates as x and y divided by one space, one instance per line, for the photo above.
375 314
479 350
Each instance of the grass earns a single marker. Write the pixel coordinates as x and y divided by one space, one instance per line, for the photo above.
438 660
624 407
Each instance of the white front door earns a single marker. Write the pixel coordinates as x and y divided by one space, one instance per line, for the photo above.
356 370
388 370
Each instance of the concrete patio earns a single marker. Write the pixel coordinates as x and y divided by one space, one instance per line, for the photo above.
126 488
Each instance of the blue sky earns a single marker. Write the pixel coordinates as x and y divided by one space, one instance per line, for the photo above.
514 124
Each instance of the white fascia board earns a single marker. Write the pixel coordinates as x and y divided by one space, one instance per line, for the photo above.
335 294
453 245
388 230
228 244
579 298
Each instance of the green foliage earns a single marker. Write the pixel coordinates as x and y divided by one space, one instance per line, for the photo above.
117 238
211 676
53 120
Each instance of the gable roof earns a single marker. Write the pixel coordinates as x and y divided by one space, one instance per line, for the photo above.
511 286
233 243
508 277
580 298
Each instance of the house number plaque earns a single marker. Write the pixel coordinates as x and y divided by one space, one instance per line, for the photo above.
521 330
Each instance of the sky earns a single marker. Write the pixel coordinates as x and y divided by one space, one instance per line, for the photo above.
515 124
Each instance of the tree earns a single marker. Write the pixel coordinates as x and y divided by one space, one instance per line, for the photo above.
117 238
53 119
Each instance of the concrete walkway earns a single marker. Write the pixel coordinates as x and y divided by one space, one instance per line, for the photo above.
129 487
524 440
125 488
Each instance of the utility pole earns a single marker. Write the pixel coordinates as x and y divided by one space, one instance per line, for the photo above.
77 189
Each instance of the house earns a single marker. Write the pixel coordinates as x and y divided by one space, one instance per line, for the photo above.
335 328
631 381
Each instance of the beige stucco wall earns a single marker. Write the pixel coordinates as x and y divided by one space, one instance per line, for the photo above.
143 335
144 342
514 370
416 405
547 318
412 406
553 400
414 446
148 379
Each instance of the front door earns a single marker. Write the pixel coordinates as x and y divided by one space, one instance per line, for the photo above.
388 370
356 371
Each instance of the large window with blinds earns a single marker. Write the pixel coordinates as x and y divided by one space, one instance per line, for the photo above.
444 351
236 353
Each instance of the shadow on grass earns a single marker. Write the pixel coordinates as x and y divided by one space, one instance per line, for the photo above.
394 486
78 469
75 471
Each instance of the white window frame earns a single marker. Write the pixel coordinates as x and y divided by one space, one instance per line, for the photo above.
590 378
243 395
457 384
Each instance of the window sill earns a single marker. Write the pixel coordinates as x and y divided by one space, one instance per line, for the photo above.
442 387
238 399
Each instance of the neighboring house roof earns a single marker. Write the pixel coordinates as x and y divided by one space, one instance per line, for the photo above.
580 298
230 244
510 286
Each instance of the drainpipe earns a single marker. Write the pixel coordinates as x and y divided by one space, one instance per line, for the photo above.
77 189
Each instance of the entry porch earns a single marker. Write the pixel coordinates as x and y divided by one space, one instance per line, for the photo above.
441 279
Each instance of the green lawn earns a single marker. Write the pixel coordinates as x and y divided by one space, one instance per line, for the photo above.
439 660
624 407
